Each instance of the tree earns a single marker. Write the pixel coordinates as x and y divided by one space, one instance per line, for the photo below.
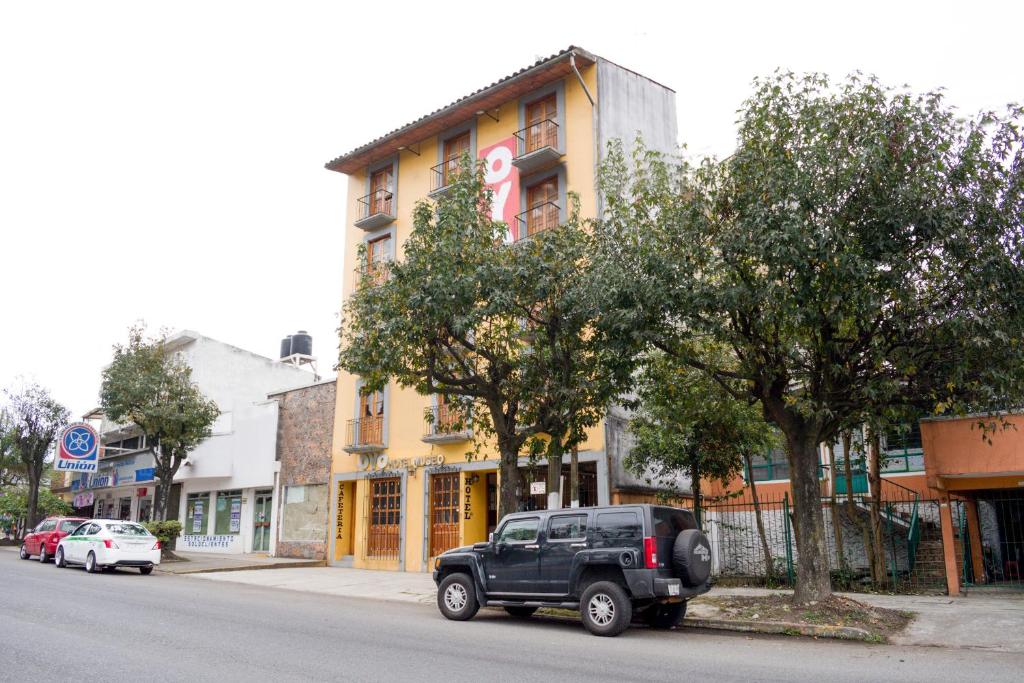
860 244
12 470
36 419
688 424
151 388
571 369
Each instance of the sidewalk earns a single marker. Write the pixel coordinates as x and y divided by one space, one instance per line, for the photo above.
986 622
198 563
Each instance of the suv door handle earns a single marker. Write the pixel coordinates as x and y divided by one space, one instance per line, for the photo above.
532 546
577 545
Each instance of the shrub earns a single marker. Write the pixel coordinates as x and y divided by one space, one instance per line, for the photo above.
167 532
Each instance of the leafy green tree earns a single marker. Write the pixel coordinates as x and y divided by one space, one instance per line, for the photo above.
14 506
688 424
151 388
860 245
36 419
12 470
573 372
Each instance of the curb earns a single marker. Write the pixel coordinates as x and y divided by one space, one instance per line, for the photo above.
783 628
276 565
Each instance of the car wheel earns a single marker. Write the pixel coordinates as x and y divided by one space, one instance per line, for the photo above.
521 612
456 597
145 571
24 552
58 559
43 557
90 563
605 609
665 616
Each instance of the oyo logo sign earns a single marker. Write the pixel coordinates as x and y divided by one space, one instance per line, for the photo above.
503 180
702 552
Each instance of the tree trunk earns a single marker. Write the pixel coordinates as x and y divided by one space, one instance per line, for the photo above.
875 479
554 479
34 475
769 561
511 478
574 477
695 488
812 570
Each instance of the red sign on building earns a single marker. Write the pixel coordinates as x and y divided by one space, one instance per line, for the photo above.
503 179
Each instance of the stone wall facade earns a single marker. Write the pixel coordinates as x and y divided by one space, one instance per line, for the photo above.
304 432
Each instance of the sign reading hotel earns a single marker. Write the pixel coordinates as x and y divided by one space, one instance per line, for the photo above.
77 449
503 180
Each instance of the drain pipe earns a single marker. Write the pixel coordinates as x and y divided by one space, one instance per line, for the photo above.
572 63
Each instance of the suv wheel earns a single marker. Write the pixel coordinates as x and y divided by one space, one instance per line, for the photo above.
605 609
456 597
665 616
521 612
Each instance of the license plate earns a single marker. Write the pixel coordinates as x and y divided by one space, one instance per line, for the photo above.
673 589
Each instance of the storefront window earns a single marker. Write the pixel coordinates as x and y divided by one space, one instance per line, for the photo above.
229 513
197 513
304 514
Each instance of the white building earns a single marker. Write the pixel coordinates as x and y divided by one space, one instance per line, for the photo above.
223 494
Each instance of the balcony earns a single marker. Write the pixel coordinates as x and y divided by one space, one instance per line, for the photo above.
538 147
443 175
445 424
373 274
365 435
537 219
376 210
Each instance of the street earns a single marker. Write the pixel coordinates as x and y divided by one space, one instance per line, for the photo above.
164 627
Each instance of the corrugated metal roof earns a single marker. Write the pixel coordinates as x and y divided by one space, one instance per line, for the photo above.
339 163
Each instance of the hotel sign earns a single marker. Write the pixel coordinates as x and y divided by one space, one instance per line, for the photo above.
502 178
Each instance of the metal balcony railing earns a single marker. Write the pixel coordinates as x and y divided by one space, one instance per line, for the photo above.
365 433
373 274
445 421
380 202
537 136
538 218
443 174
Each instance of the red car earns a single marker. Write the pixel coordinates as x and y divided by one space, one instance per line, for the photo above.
42 540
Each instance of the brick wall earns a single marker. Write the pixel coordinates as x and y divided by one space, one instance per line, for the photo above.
304 431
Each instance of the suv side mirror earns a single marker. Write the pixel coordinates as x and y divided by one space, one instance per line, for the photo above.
490 537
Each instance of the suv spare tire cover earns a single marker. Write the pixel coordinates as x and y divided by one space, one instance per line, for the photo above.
691 558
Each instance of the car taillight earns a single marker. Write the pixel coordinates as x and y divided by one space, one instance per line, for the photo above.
107 543
156 546
650 552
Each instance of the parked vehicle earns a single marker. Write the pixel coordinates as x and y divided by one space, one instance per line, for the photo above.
100 544
42 540
610 563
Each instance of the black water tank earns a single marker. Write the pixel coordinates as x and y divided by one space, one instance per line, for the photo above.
302 343
286 347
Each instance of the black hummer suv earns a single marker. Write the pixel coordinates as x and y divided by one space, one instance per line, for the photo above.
613 564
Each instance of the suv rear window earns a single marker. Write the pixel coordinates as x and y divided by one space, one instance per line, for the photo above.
617 526
668 522
565 527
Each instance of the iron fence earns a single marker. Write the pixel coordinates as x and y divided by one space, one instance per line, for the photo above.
754 542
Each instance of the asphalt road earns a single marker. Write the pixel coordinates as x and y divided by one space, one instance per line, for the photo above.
59 624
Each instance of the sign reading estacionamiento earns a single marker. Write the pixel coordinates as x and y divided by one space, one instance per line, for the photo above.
78 449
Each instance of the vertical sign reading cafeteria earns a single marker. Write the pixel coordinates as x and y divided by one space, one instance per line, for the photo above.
503 179
77 449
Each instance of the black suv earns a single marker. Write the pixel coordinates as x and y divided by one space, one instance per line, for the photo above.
613 564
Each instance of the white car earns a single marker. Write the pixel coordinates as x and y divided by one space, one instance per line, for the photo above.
102 543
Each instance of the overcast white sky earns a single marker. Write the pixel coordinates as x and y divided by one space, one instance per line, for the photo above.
164 161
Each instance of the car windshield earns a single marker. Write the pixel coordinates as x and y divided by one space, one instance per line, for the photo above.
127 530
69 525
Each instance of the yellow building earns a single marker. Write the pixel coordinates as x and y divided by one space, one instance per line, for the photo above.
402 488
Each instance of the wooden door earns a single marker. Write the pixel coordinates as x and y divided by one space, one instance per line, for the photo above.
444 512
371 418
454 148
380 191
542 209
384 530
541 129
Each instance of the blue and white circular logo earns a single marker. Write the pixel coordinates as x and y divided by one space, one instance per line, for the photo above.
79 442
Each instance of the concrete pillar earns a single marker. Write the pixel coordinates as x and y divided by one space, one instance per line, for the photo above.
949 547
974 532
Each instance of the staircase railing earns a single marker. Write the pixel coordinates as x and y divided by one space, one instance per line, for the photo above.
913 523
